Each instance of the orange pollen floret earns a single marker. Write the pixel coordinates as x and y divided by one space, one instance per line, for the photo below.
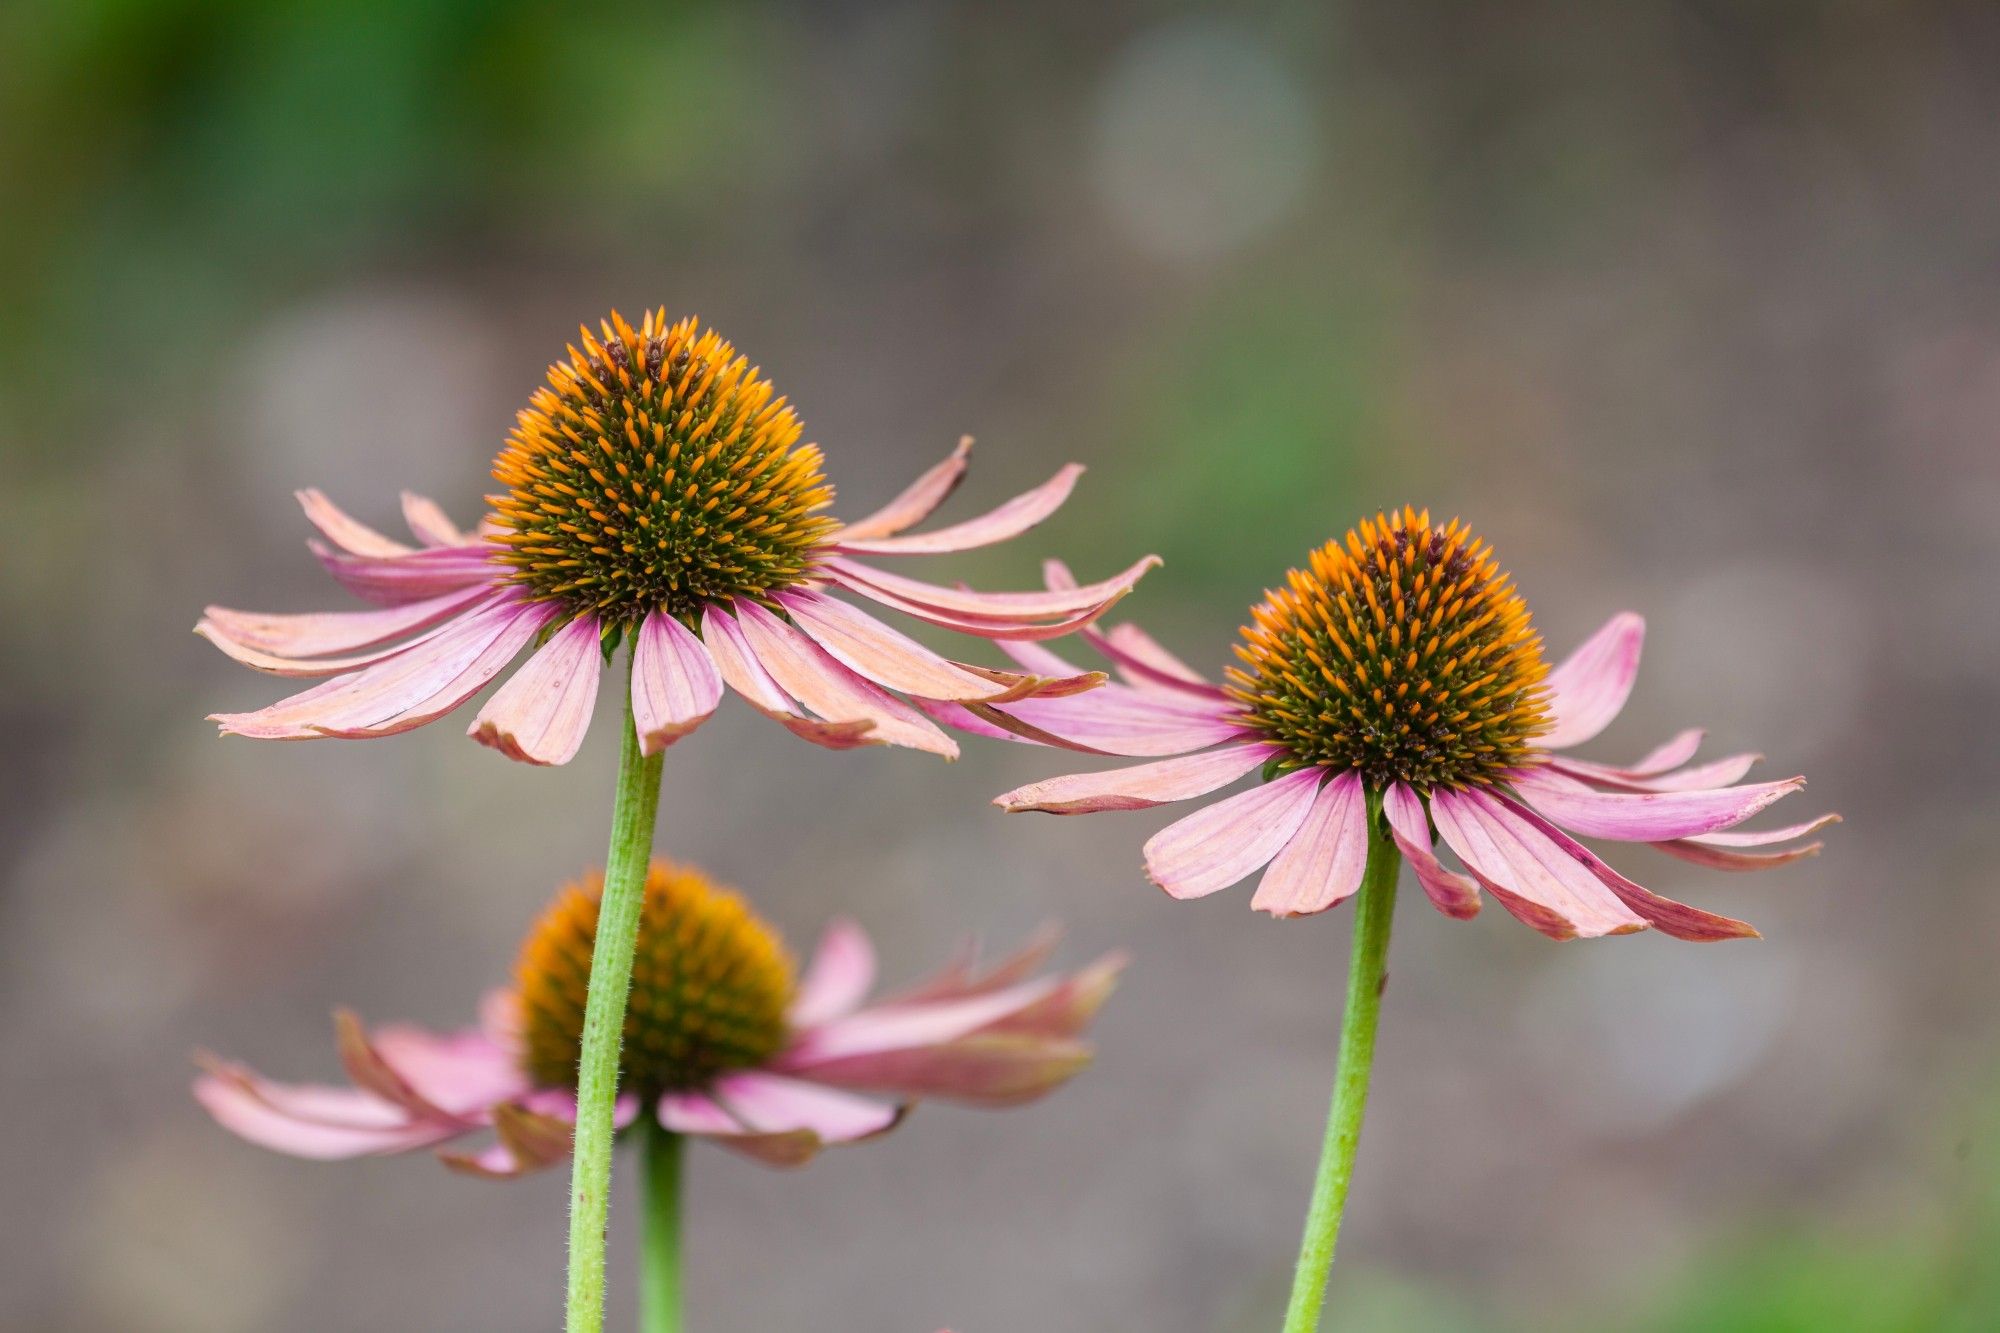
1404 652
710 985
657 470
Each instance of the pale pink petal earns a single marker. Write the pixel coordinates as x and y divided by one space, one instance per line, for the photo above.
842 970
772 1103
323 633
1322 864
402 682
1530 876
1009 520
1719 851
1764 837
985 1069
348 533
963 976
248 1116
1715 773
517 635
429 524
461 1073
1114 720
1048 604
1592 684
1140 658
1140 786
694 1114
541 714
1068 1008
739 666
891 658
1644 816
1450 892
887 1027
916 503
1220 844
1034 657
985 627
1669 917
675 684
1676 751
805 672
395 580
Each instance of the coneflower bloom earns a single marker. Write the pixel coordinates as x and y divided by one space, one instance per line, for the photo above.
654 490
720 1043
1400 670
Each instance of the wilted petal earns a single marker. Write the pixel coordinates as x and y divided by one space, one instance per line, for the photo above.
1140 786
1592 684
1007 521
1323 862
541 714
806 673
1449 892
1719 851
675 684
1644 816
891 658
745 674
1219 845
1532 878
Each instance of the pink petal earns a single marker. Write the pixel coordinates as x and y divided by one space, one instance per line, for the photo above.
805 672
985 627
453 665
1009 520
1592 684
1519 865
1140 786
842 970
1322 864
890 1027
320 1123
1009 607
987 1069
963 976
461 1073
1714 773
1764 837
893 659
1451 893
1031 655
1717 851
1661 759
916 503
1116 720
1645 816
429 524
739 666
541 714
525 1141
348 533
1220 844
675 684
772 1103
1672 918
394 580
1139 657
322 633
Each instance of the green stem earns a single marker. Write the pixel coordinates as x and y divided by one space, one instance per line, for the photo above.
1366 976
632 814
660 1257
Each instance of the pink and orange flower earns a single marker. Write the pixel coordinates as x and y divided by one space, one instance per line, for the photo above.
719 1044
655 490
1399 676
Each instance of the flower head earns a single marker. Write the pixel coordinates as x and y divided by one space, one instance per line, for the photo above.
720 1042
1398 677
655 491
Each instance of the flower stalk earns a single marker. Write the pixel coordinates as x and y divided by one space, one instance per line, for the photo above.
633 812
1366 976
660 1206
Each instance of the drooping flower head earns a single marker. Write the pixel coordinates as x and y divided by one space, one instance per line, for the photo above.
720 1042
1400 673
655 490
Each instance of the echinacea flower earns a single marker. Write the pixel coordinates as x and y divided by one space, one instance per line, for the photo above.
720 1043
655 490
1400 670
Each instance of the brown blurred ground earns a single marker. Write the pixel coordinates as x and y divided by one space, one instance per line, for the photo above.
1691 309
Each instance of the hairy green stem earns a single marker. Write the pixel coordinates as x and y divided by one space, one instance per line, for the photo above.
632 814
660 1255
1366 976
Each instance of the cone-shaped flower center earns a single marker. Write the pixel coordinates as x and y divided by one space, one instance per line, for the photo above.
1405 653
656 469
710 985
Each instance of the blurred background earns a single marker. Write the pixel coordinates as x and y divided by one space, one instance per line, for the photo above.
1688 308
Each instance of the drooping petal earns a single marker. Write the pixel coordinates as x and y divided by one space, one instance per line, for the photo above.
1450 892
311 1120
1007 521
893 659
842 970
429 524
985 1069
985 627
963 975
1115 720
1672 918
1220 844
1322 864
461 1073
325 633
726 644
1715 773
1644 816
816 680
343 530
274 665
394 580
1677 750
773 1104
1531 877
1140 786
695 1114
1719 851
513 637
916 503
675 684
1141 659
541 714
1007 607
1591 685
